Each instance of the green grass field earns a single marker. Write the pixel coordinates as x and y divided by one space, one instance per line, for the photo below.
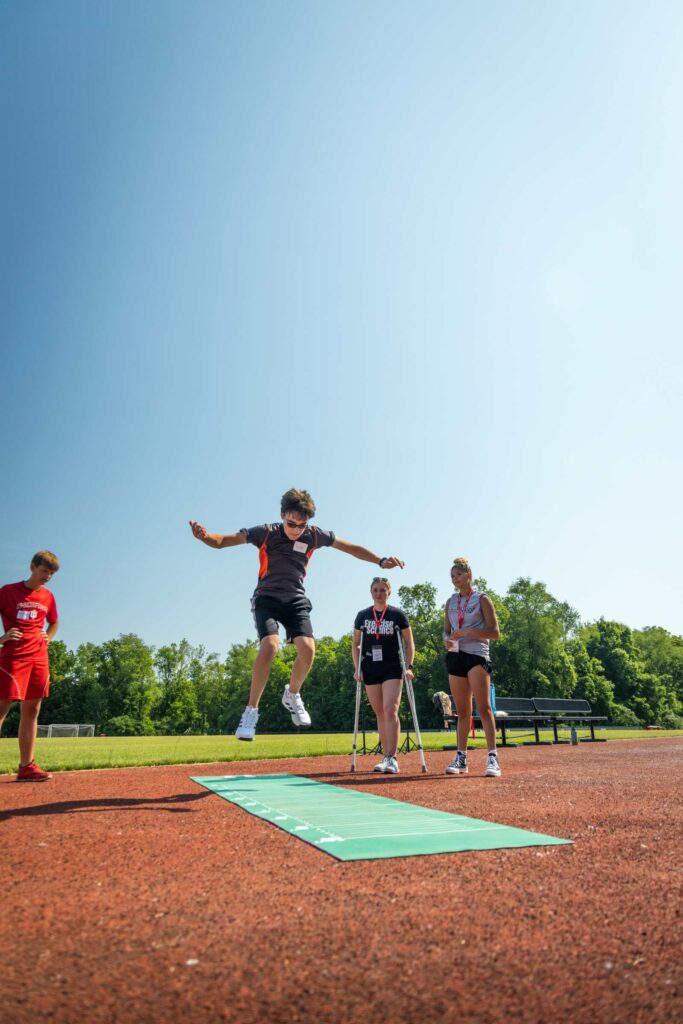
133 751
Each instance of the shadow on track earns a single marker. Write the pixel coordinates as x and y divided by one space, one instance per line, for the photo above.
108 804
371 778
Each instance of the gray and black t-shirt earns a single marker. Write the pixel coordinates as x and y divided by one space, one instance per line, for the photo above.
283 562
469 610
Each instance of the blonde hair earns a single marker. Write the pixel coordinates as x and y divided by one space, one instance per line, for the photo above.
381 579
462 564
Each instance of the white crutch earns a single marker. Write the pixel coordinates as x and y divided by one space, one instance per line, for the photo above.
359 686
410 694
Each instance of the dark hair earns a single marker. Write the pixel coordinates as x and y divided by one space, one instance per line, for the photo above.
45 558
297 501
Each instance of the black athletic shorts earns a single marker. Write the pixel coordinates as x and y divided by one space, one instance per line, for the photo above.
295 616
376 673
459 664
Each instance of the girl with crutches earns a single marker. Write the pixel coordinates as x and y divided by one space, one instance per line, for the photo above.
470 622
377 664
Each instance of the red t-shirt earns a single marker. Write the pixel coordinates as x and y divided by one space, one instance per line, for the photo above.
26 610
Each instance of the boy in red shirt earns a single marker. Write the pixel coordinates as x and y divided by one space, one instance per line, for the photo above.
24 668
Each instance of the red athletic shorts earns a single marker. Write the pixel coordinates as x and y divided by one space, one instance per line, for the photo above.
24 680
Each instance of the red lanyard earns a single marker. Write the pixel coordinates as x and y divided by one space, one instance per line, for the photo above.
378 621
461 615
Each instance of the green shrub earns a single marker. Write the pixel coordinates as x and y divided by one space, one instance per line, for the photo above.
126 725
669 720
621 715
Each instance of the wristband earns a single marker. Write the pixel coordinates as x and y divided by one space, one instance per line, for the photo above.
380 562
410 667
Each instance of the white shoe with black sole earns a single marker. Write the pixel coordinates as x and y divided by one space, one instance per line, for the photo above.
295 706
246 730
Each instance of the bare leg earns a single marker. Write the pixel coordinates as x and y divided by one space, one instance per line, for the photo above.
462 695
391 694
305 653
261 670
28 727
480 681
374 693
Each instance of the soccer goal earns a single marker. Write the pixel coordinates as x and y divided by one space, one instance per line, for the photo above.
63 731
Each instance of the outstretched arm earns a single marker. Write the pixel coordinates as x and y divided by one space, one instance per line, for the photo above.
216 540
366 555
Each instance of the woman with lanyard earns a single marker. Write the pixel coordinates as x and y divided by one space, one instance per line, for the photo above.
470 622
377 663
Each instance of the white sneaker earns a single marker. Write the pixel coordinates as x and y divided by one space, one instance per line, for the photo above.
246 730
392 767
382 766
492 766
458 765
295 706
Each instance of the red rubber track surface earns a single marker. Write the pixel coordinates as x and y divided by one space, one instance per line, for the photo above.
132 895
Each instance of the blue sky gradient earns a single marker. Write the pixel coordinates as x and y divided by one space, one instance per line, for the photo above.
421 259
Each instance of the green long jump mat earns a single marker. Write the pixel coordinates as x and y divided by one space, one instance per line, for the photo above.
351 825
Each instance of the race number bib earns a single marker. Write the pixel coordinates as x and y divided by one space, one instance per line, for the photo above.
300 547
376 653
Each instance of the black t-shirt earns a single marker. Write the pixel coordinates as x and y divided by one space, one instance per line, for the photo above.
394 620
283 562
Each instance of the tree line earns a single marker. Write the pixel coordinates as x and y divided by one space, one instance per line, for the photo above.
126 687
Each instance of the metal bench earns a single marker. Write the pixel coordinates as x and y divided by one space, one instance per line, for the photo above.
520 711
557 711
509 710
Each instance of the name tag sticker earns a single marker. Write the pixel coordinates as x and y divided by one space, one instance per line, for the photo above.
376 653
300 547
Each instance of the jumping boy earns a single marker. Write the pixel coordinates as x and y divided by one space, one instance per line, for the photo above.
285 549
24 668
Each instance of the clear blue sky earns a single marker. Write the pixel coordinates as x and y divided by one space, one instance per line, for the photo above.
422 259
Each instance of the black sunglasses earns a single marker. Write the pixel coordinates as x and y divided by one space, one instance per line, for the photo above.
295 526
